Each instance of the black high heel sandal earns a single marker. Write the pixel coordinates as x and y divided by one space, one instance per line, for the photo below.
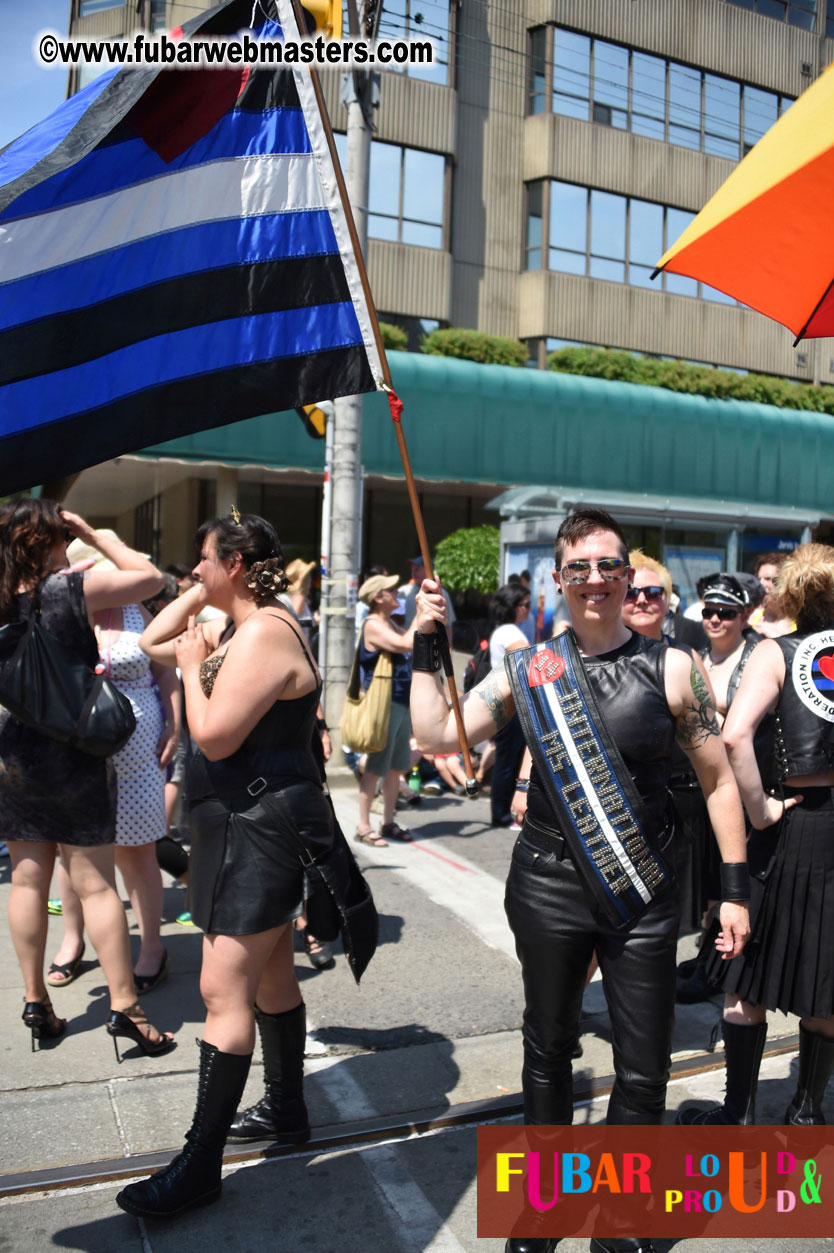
42 1021
119 1024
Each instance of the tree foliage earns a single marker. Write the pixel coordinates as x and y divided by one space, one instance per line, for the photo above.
394 338
467 560
476 346
699 380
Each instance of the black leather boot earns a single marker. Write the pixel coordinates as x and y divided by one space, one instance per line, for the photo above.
627 1245
530 1244
743 1047
281 1114
193 1177
816 1061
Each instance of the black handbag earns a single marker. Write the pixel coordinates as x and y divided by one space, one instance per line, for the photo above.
48 687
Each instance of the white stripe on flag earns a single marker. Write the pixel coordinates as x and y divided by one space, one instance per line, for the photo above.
236 188
548 691
318 142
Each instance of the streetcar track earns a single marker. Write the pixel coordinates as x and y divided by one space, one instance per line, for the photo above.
341 1136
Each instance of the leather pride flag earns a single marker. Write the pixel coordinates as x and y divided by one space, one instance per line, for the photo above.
174 256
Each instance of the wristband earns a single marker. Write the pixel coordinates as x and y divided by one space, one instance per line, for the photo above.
425 652
322 725
522 785
735 881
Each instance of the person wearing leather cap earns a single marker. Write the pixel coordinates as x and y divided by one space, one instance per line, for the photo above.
790 967
567 896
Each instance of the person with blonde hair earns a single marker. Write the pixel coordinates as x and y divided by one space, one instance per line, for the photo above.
789 964
770 618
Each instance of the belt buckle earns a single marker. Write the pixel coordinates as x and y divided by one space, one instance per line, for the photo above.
257 786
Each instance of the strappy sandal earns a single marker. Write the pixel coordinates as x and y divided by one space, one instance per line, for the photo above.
370 837
393 831
128 1023
59 976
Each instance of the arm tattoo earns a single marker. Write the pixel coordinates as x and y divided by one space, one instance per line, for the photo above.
492 692
697 722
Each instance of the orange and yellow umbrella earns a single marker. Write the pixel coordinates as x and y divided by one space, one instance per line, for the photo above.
767 235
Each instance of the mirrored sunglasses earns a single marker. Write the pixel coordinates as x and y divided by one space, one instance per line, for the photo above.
653 592
724 612
610 568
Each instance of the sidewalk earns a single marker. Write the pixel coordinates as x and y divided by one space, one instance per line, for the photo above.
388 1169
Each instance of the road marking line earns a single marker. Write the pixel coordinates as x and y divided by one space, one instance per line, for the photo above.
422 1228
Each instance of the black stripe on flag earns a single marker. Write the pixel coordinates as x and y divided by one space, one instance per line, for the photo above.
67 339
156 414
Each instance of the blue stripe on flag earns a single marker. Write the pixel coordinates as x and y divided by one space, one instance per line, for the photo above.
207 246
165 358
44 137
114 166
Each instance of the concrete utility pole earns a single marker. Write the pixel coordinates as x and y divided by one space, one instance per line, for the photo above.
345 538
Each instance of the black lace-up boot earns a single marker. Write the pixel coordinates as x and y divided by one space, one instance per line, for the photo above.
193 1177
281 1114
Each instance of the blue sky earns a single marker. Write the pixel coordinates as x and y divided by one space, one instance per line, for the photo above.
28 92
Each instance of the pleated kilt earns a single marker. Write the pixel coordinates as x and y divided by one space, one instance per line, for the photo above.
788 963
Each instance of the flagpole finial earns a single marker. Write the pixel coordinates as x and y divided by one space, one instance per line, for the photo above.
235 514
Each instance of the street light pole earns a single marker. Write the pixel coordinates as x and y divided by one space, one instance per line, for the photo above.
346 470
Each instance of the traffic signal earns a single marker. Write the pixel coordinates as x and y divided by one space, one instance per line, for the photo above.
324 16
315 417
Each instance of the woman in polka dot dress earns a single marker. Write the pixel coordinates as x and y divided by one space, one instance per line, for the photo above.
154 693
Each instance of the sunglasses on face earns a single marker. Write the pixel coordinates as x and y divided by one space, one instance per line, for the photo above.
653 592
723 612
609 568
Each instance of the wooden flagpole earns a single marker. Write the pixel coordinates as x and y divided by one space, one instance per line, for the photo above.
387 386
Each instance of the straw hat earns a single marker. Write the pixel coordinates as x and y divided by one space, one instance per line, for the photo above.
297 572
79 551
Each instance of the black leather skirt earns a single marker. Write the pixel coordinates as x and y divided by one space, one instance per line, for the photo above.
246 871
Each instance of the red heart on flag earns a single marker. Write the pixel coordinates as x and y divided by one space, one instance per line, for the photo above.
545 667
826 665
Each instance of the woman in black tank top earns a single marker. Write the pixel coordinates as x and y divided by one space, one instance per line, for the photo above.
256 796
789 963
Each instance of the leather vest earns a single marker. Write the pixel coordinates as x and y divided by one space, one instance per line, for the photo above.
629 685
804 741
764 739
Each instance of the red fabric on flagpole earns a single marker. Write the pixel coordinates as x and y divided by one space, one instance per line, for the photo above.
394 404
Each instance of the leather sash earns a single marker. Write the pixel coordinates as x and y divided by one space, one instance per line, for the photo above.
598 808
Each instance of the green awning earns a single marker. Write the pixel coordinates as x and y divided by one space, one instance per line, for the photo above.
493 424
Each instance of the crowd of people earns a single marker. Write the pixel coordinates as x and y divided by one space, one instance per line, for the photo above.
643 758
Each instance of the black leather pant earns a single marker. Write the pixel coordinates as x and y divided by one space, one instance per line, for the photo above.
556 933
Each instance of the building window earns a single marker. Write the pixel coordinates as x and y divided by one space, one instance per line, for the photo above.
87 7
407 193
419 19
600 234
415 328
597 81
157 17
797 12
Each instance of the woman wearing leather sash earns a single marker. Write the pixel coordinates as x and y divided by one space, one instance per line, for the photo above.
650 695
789 964
255 790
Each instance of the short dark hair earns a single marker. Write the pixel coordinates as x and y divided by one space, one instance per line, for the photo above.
581 523
179 569
769 559
504 602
